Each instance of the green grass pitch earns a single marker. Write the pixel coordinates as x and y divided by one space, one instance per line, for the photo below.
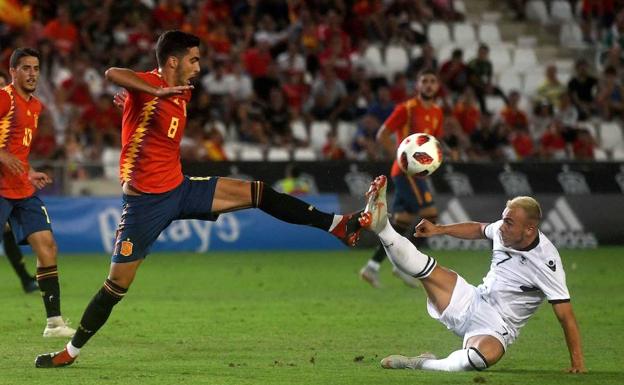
296 318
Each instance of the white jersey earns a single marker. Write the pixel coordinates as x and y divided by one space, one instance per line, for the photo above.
519 280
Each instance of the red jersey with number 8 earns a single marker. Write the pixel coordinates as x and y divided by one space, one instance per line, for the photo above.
18 125
152 129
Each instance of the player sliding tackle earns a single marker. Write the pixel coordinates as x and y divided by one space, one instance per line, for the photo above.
157 193
525 269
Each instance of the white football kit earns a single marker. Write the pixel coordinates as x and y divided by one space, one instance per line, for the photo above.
511 292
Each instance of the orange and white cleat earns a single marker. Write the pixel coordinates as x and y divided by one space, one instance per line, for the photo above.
375 215
54 360
349 228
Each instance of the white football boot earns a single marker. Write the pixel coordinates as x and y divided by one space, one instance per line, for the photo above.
375 215
58 328
396 361
370 275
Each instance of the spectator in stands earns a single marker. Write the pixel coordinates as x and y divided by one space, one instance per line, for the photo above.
337 57
553 142
365 146
445 10
248 123
467 112
215 84
551 89
293 183
168 14
327 98
332 149
610 97
296 92
600 12
291 60
75 90
456 141
62 31
382 106
566 112
212 144
543 116
239 84
512 115
582 89
277 119
399 91
258 59
522 143
454 73
480 72
583 146
43 145
102 116
488 141
426 60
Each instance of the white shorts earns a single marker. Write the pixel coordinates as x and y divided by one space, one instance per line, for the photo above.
469 315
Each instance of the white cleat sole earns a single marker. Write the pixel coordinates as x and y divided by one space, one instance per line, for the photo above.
59 331
397 361
375 215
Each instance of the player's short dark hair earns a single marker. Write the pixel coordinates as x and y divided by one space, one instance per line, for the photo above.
427 71
19 53
174 43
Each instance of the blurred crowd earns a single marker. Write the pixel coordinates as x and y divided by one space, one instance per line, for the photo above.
270 64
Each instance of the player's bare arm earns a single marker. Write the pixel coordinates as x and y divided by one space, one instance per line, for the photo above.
384 137
566 318
464 230
11 162
128 79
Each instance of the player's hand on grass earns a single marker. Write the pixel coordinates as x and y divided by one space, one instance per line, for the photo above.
12 163
425 229
120 98
39 179
168 91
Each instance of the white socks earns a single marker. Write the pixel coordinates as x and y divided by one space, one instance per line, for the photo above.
404 255
72 350
373 265
458 361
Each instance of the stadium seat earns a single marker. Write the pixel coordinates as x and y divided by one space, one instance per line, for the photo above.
459 6
416 51
110 161
438 34
618 153
396 60
564 65
346 133
305 154
532 81
489 33
277 154
299 130
561 11
251 153
611 136
500 57
510 80
318 134
535 10
494 104
526 41
524 59
600 154
231 150
571 36
464 33
373 55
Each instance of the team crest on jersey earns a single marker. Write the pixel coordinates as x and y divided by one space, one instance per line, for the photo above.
126 248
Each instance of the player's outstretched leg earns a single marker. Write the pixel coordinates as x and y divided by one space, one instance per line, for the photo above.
458 361
403 254
16 258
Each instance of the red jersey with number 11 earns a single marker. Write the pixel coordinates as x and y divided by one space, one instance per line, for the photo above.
18 126
152 129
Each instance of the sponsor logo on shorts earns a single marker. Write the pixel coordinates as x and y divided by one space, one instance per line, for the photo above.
126 248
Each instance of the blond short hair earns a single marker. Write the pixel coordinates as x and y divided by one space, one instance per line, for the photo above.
530 206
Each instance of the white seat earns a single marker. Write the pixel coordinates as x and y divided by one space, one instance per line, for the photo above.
464 33
318 134
510 80
532 81
526 41
438 34
305 154
459 6
618 153
250 152
536 10
600 154
525 59
564 65
489 33
500 57
277 154
561 11
611 135
346 133
396 60
374 56
571 36
494 104
416 51
299 130
231 150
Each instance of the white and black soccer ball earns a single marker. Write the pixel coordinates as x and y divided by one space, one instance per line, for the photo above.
419 155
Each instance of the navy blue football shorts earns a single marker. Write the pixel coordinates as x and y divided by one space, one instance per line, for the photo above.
412 194
145 216
26 216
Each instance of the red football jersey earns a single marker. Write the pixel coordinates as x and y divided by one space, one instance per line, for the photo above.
18 125
412 117
152 129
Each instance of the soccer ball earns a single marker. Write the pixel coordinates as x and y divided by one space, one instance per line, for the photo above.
419 155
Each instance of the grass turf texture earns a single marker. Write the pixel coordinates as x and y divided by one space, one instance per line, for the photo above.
295 318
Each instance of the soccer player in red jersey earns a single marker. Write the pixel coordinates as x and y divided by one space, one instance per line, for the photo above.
155 190
413 198
26 213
